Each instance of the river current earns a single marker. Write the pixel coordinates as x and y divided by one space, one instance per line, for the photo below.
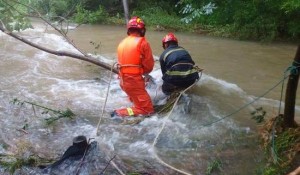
211 123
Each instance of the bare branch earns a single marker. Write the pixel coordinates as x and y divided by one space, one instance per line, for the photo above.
107 164
2 25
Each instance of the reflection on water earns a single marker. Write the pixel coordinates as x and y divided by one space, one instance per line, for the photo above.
193 136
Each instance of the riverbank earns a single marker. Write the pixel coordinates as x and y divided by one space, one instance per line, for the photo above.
176 25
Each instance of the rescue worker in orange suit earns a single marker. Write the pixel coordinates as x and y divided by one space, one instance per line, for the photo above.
178 68
135 62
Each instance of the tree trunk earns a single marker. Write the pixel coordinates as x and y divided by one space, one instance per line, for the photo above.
291 91
126 11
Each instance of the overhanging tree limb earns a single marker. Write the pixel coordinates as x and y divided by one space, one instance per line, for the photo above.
59 53
60 31
83 56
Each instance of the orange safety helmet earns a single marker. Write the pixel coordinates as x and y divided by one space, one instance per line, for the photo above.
136 22
169 37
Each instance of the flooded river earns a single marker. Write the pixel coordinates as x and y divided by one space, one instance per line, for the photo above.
213 129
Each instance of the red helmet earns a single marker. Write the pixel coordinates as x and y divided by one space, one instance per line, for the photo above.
136 22
169 37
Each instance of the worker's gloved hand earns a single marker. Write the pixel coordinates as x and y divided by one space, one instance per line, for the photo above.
148 79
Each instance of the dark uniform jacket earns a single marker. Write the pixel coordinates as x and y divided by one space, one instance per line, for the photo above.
177 67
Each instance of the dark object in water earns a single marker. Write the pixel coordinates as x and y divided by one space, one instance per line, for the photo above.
82 158
94 160
80 142
76 150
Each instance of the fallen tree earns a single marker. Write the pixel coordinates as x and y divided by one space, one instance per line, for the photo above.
60 53
83 56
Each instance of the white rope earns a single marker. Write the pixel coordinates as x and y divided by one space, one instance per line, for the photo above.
107 92
163 126
113 164
156 138
98 126
116 166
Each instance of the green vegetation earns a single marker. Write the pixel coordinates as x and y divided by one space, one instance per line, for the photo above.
91 17
22 156
158 18
259 115
12 17
55 114
213 166
251 20
13 163
262 20
280 144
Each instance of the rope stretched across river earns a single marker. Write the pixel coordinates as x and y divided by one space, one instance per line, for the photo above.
292 70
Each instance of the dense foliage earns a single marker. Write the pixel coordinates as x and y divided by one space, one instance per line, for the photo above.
257 19
253 20
11 16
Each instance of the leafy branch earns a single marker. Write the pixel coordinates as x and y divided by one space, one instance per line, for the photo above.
62 114
213 166
59 114
259 115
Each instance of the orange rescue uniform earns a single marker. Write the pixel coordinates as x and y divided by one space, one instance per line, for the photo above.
135 59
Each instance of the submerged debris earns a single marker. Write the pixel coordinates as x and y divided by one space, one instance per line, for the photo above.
56 114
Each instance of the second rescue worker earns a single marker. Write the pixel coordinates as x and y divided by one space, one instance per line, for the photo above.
177 66
135 60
